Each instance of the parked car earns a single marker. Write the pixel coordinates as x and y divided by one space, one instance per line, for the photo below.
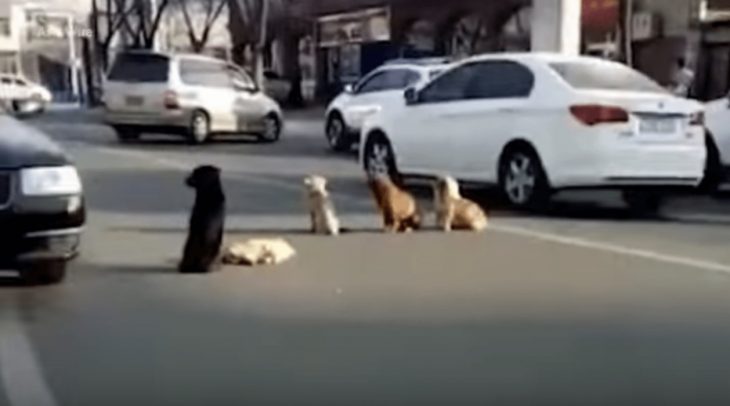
717 116
376 91
190 95
22 95
536 123
41 204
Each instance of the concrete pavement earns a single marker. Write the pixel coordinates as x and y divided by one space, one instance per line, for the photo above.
582 306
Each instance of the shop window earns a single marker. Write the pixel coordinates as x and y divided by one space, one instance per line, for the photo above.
517 31
470 35
4 27
421 37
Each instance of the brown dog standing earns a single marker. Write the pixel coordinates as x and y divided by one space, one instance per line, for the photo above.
399 209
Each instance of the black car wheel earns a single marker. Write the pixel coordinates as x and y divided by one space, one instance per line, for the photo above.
337 137
523 180
44 273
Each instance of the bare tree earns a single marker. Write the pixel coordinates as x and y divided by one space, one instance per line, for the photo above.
212 10
115 16
144 21
255 16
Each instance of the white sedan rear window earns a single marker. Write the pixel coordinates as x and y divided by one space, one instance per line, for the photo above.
605 76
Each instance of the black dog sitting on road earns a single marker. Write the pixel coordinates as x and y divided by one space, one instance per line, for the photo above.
207 220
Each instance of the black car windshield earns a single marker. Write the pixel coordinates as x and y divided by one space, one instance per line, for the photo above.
599 75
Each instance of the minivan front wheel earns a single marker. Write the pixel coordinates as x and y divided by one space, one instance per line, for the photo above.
272 129
199 130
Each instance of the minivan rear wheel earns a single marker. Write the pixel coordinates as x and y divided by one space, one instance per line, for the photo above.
199 130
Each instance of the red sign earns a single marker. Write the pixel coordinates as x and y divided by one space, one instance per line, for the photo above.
601 15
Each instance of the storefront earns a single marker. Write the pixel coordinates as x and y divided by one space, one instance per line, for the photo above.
351 44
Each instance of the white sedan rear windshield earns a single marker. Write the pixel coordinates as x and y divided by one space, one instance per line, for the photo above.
605 76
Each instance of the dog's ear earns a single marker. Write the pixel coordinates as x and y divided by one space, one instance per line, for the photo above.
308 181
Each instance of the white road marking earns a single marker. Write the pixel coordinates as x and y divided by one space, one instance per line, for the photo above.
520 231
614 248
700 217
20 373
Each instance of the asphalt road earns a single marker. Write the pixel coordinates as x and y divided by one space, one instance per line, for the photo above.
580 306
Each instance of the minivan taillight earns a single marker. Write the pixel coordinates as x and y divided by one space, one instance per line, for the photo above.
594 114
171 100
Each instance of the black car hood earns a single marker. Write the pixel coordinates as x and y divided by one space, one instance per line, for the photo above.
23 146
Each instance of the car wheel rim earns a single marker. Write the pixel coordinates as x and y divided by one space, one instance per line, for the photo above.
200 127
335 132
271 129
520 179
379 160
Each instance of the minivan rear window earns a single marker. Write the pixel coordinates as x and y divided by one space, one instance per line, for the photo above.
600 75
140 68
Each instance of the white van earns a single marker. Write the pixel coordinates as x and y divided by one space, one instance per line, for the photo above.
190 95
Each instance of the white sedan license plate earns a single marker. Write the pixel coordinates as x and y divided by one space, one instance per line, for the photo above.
658 126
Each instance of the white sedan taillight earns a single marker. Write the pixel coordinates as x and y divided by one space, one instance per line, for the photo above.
594 114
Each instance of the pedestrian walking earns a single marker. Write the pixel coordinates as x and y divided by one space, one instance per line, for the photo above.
682 79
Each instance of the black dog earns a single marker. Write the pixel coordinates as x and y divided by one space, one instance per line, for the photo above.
207 220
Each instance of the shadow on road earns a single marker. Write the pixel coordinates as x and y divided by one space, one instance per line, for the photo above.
12 282
238 231
143 269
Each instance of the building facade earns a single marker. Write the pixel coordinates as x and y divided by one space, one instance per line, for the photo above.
43 44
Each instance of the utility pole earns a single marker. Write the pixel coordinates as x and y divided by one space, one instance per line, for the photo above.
73 57
261 46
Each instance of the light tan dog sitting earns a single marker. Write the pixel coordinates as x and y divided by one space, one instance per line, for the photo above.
455 212
321 209
259 252
399 209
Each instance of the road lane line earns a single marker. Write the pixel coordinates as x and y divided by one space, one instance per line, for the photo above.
520 231
20 372
613 248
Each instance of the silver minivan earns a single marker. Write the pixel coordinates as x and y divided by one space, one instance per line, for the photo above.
190 95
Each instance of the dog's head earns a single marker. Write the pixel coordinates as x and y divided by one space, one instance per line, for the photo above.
447 187
316 184
204 177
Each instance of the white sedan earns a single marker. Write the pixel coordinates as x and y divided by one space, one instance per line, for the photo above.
378 90
23 95
535 123
718 142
